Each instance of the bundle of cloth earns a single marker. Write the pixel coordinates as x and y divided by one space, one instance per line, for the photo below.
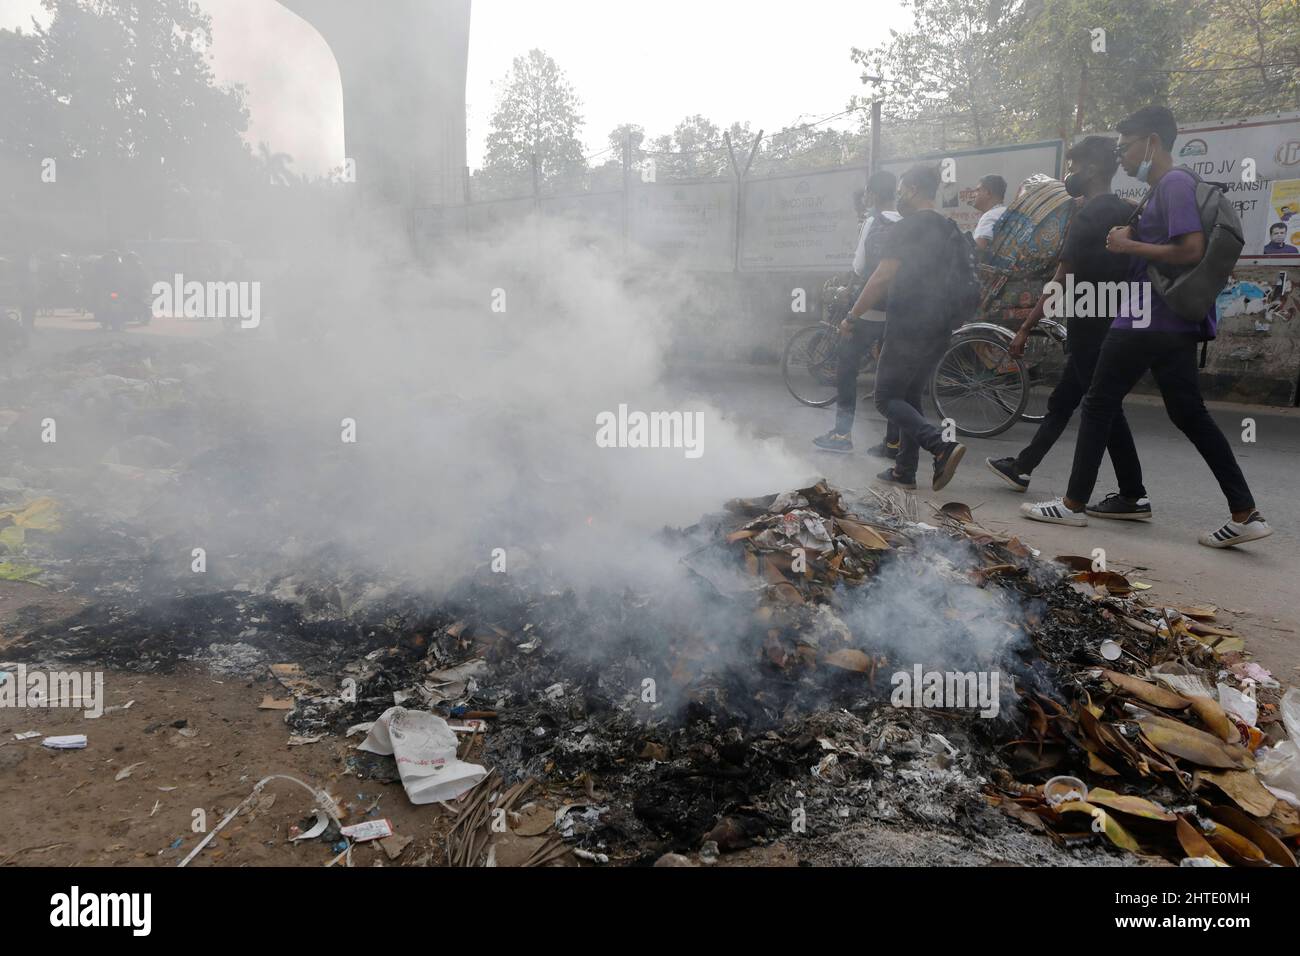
1026 246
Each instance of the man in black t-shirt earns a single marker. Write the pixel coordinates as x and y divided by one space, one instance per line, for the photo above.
1092 164
918 325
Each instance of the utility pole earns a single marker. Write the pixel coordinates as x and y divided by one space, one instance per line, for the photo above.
1083 98
875 136
627 190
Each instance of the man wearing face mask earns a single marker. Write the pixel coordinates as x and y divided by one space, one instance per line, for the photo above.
1092 165
915 284
1148 335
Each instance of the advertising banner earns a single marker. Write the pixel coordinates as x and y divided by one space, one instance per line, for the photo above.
690 225
806 222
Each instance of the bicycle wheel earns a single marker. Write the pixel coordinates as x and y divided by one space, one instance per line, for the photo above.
980 386
1044 364
810 364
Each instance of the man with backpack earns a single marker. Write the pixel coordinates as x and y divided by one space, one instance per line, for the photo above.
927 285
1160 327
858 338
1084 257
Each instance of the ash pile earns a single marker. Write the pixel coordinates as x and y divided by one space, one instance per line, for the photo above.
835 675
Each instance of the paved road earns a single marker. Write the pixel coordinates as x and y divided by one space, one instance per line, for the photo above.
1258 584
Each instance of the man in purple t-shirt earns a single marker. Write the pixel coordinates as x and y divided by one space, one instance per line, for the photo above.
1147 335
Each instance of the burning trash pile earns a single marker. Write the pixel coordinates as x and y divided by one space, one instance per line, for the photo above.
827 672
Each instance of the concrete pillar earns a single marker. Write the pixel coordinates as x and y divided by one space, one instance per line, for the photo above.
403 65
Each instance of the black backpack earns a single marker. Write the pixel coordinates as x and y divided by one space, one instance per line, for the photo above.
960 281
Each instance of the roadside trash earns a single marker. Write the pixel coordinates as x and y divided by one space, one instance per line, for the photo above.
394 846
1239 705
68 742
1111 650
270 703
368 831
425 750
326 808
319 827
27 735
126 771
1060 790
1279 766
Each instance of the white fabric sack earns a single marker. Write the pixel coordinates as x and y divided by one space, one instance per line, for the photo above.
425 750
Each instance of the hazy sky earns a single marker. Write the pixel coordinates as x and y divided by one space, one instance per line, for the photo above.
771 62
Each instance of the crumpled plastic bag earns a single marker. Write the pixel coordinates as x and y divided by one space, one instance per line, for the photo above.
425 750
1279 767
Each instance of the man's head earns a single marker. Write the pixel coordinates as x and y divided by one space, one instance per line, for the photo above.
1094 162
882 187
918 189
1145 138
992 191
1277 232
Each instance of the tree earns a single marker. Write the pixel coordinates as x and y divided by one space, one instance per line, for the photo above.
976 72
1057 41
952 61
120 94
694 150
129 81
1233 59
537 115
275 165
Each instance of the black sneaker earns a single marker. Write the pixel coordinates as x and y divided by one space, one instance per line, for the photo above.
891 477
945 464
1008 471
885 450
1119 508
834 441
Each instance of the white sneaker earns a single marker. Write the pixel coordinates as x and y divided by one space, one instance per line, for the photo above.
1054 512
1233 534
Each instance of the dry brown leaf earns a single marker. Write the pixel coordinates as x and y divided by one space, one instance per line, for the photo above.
849 660
1134 806
1146 692
1193 844
1214 717
867 537
1273 848
959 512
1075 562
1243 788
1234 847
1168 736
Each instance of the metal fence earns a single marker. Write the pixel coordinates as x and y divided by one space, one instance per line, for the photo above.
804 222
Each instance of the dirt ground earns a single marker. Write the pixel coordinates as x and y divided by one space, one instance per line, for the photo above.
67 807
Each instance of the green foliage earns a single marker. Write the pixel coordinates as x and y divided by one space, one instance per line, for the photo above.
1240 40
537 119
123 84
977 72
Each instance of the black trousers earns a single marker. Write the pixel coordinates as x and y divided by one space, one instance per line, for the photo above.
906 370
1084 349
852 353
1126 356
